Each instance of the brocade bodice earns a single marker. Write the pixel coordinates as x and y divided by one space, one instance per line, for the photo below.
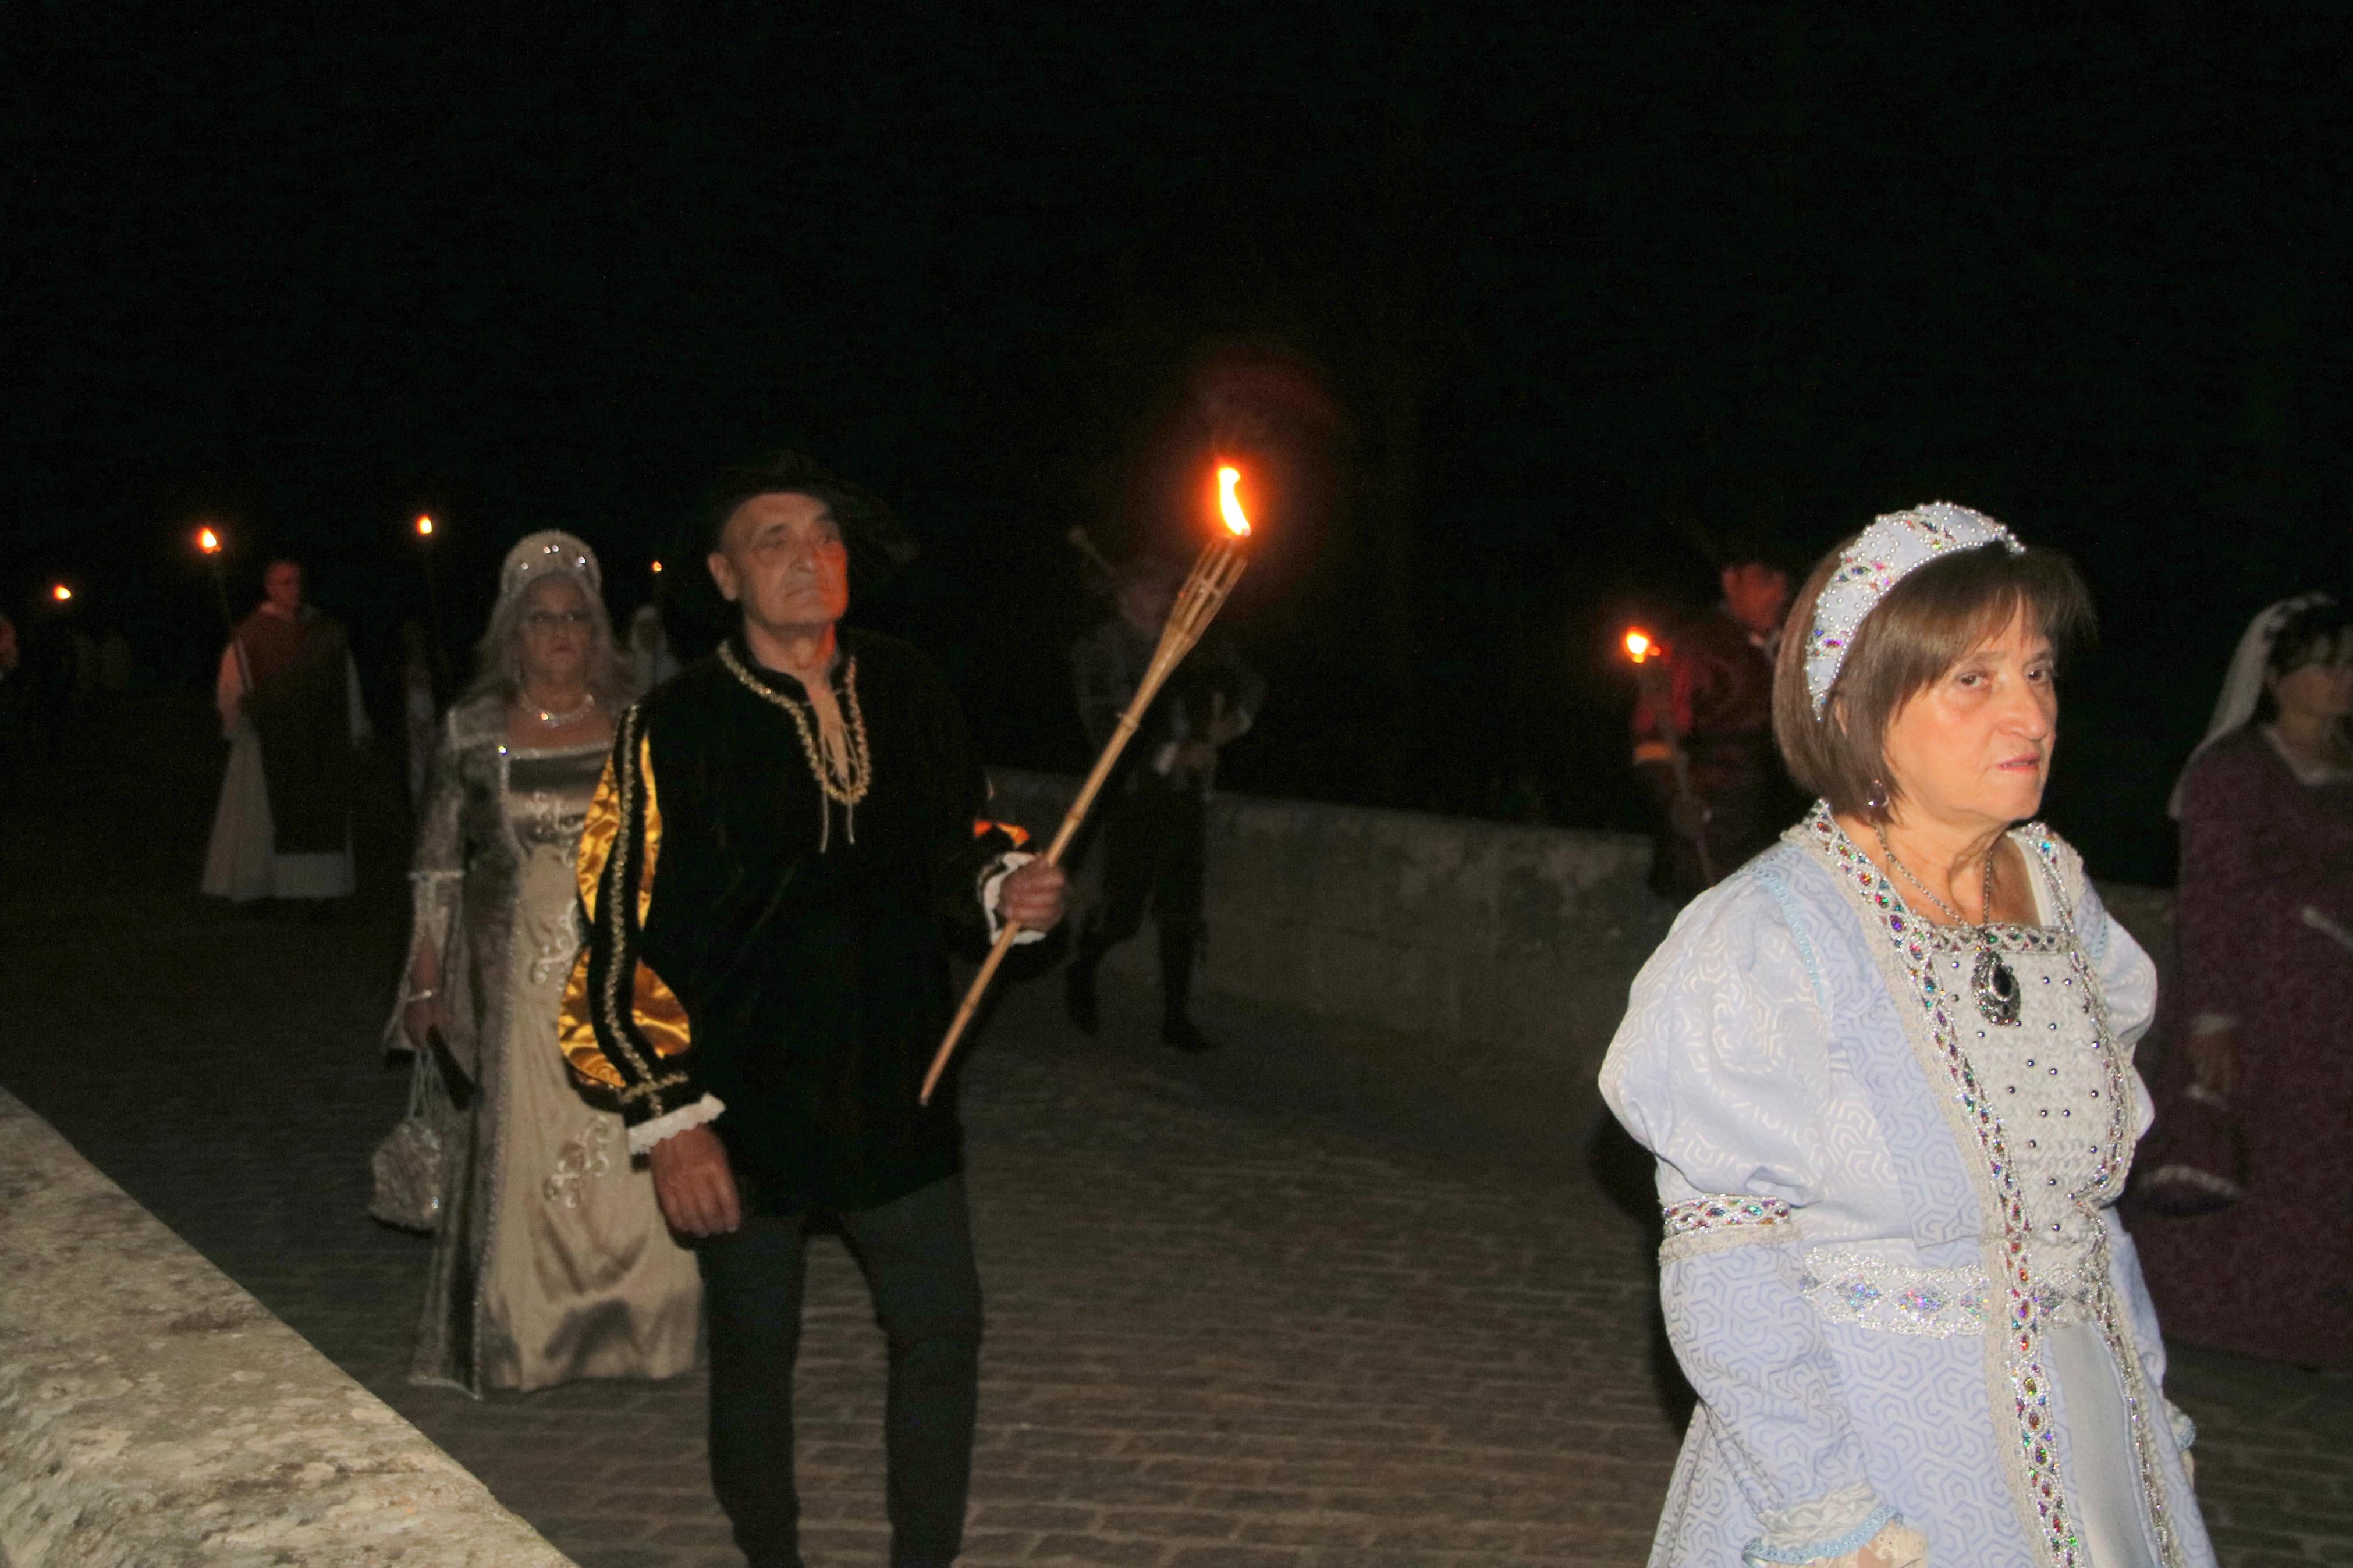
500 819
547 795
2068 1110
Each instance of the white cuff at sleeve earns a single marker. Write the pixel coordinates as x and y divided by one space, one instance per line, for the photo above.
645 1134
992 887
1825 1528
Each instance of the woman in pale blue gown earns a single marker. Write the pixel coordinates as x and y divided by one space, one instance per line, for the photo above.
1886 1071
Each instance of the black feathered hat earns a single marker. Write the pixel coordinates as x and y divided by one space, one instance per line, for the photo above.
878 545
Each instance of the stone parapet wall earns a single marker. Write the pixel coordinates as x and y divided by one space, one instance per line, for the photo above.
1484 938
1479 936
152 1412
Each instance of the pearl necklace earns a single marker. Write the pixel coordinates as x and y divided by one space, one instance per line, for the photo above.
555 720
844 782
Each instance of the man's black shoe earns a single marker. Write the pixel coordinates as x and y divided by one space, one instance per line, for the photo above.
1079 997
1183 1034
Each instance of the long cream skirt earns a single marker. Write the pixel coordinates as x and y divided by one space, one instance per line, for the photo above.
582 1278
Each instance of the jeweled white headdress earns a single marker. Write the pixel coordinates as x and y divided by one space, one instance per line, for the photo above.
549 551
1890 550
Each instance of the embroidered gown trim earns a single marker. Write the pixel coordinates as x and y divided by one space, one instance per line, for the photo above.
2019 1381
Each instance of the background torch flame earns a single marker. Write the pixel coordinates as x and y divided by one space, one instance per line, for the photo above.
60 593
424 527
1230 504
1639 646
208 542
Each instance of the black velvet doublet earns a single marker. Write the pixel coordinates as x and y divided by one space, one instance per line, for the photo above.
730 955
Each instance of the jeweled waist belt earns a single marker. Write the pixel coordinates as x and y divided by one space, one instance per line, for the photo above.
1868 1292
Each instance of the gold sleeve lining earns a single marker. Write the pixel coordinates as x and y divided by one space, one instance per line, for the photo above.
654 1013
577 1032
662 1018
596 838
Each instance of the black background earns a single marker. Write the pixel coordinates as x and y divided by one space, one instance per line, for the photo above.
1564 294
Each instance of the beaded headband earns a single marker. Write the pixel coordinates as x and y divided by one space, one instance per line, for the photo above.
1890 550
544 554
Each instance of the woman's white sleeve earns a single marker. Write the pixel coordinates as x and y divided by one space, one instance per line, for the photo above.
2128 975
1719 1069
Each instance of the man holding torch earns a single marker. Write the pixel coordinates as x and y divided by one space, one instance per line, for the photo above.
782 834
1703 732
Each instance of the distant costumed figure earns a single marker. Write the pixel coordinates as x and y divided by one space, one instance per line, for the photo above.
1715 705
288 696
550 1261
1154 829
1886 1068
2247 1224
650 658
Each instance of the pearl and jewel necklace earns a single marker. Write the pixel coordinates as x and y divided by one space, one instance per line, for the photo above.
1996 986
555 720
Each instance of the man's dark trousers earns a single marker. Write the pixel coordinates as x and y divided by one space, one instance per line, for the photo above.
1156 852
916 1254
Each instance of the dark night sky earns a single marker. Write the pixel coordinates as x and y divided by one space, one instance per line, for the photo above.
1574 279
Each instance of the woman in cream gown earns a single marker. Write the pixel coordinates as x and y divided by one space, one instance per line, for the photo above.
551 1261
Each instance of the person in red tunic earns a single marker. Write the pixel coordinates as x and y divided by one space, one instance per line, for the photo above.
2245 1220
1716 704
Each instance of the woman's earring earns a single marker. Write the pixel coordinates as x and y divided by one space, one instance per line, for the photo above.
1878 801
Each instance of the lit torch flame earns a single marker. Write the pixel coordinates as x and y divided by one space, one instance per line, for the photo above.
424 527
1639 646
208 542
1230 504
657 568
61 592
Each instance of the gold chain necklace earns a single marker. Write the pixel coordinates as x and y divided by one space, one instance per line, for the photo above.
846 786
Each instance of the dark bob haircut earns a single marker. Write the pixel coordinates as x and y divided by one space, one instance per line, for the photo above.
1927 623
878 546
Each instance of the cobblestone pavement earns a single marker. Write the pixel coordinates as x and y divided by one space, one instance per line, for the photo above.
1286 1307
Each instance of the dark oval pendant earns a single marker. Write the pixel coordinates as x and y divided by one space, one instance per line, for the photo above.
1996 989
